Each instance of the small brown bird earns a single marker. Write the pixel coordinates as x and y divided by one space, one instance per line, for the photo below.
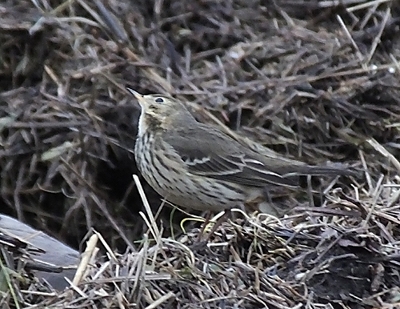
197 166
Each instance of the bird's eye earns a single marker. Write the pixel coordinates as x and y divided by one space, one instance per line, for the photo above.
159 100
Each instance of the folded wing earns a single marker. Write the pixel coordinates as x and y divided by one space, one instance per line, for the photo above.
215 155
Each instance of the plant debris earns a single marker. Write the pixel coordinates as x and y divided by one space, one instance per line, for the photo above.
315 81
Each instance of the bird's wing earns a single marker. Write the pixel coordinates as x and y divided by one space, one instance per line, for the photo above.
210 153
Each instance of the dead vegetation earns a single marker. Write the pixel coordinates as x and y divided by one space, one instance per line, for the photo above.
312 80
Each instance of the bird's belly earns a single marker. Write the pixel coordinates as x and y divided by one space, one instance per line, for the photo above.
191 192
199 195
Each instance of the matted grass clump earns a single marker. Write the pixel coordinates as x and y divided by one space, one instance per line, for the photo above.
315 81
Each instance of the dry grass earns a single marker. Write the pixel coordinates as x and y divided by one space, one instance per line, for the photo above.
312 80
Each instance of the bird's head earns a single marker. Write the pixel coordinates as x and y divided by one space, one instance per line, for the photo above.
160 112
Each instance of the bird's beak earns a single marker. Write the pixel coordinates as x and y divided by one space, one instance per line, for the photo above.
138 96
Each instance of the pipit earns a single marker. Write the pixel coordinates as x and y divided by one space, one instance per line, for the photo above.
197 166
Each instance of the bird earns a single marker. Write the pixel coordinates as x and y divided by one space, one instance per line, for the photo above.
197 166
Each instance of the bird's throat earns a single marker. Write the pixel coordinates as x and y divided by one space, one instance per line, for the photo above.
148 122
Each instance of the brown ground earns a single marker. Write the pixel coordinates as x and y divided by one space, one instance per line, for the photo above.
312 80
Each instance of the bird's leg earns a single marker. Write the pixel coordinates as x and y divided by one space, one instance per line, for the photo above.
202 244
224 217
267 195
206 221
